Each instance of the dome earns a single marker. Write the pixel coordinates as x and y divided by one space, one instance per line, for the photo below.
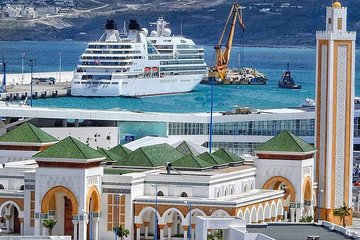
336 4
144 31
167 32
153 33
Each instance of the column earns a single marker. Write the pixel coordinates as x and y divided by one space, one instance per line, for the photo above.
7 222
285 215
37 226
96 227
75 223
185 232
161 227
82 229
21 226
146 224
299 214
193 231
138 228
169 225
292 214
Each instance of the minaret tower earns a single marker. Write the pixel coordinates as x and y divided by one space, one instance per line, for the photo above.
335 77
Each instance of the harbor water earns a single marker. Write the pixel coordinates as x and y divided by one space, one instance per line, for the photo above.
55 56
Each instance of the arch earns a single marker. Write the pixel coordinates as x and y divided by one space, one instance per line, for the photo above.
247 216
232 190
267 213
47 197
160 193
94 194
220 213
145 210
240 214
260 214
183 194
277 180
10 202
22 188
218 193
273 209
193 212
279 208
170 210
253 215
2 186
307 189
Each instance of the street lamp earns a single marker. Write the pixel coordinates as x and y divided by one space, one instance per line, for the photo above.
189 232
156 209
22 67
32 63
319 202
117 197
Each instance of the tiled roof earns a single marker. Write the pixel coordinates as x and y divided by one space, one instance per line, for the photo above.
29 133
109 156
69 148
285 142
186 149
151 156
227 156
212 159
191 161
120 151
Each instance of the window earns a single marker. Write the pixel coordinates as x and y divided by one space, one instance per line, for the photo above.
116 211
160 193
1 186
22 187
339 23
183 194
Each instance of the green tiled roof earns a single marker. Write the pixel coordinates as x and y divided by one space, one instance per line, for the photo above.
227 156
120 151
212 159
151 156
186 149
191 161
109 156
285 142
29 133
118 171
69 148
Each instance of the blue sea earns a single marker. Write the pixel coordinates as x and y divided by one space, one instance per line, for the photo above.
270 61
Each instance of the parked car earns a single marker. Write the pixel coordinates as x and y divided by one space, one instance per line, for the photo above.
49 80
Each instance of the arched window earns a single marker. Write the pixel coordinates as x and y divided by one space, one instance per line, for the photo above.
22 187
225 192
1 186
232 190
183 194
160 193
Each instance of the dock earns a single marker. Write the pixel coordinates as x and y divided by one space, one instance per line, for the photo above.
22 91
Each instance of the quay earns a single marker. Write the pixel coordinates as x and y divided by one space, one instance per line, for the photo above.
18 86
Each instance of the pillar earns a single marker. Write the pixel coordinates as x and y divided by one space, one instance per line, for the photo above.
146 224
169 225
193 231
8 217
185 232
96 228
285 215
292 214
161 227
299 214
75 223
37 226
138 228
82 229
21 226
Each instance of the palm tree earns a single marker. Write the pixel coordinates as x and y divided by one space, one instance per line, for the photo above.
342 212
121 231
49 224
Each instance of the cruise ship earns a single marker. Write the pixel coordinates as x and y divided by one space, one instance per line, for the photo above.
138 65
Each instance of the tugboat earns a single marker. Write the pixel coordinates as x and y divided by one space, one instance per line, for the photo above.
287 81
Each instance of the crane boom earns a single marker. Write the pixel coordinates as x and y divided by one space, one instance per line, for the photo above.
220 69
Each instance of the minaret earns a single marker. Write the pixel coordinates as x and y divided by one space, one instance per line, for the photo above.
335 76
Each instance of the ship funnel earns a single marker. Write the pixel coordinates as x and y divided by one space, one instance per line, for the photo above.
110 25
134 25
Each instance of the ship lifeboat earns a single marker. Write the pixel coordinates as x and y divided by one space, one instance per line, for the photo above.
155 69
147 69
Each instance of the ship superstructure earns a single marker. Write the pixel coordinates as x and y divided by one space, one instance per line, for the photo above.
137 64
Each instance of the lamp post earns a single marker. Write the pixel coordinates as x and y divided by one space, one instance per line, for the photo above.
189 232
22 67
156 209
319 203
32 63
60 65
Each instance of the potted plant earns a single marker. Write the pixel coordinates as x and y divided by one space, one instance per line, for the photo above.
121 231
342 212
49 224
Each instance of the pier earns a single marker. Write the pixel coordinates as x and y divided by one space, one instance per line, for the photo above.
18 86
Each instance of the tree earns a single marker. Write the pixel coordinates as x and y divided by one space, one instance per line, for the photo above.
121 231
307 219
49 224
342 212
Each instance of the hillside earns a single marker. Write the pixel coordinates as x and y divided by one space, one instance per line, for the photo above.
287 22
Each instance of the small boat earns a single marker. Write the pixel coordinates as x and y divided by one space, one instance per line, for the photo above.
287 81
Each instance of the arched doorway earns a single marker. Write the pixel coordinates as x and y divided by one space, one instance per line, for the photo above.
10 217
92 210
60 203
308 194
